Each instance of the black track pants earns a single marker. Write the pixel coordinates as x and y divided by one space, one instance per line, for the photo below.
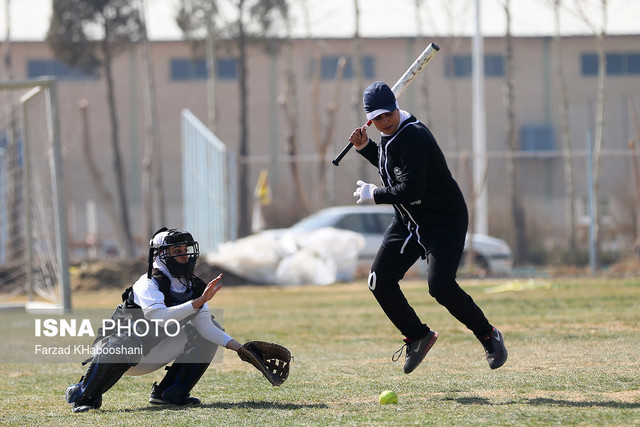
390 266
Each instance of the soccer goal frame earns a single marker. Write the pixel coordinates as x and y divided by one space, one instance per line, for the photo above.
48 88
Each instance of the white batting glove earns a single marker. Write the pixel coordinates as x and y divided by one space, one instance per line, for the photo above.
364 192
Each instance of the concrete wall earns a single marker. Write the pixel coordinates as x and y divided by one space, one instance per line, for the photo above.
449 112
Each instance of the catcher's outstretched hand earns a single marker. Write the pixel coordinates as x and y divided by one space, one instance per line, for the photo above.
212 288
271 359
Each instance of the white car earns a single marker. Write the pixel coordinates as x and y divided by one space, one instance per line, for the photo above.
493 256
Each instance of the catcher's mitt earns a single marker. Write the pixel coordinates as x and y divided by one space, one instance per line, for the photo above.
269 358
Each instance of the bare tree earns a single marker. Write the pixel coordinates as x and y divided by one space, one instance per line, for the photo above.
152 159
598 140
14 184
322 145
633 111
314 92
636 182
7 71
73 39
288 102
193 17
452 46
245 190
105 196
517 212
322 131
255 20
563 107
356 63
265 13
422 43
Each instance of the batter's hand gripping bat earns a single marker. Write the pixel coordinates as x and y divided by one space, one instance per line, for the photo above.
402 83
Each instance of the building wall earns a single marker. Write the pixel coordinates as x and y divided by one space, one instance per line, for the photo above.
449 112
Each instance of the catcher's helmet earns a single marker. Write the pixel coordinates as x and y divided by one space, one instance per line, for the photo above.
160 246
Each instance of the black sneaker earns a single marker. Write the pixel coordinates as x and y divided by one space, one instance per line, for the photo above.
83 406
416 351
79 404
494 348
156 398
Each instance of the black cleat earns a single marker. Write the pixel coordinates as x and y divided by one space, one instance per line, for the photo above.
84 406
157 399
73 395
494 348
416 351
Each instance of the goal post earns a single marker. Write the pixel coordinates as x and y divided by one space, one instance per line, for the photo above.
34 255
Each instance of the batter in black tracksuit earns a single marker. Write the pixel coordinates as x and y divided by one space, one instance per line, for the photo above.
430 222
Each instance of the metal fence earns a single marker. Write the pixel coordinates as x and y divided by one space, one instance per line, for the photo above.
209 191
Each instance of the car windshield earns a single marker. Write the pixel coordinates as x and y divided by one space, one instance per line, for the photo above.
364 222
314 222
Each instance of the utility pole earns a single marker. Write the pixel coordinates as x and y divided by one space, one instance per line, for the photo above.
481 224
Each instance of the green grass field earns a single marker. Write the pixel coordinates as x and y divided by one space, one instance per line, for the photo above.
574 358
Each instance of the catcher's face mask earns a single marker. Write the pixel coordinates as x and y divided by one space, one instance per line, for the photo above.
180 259
177 250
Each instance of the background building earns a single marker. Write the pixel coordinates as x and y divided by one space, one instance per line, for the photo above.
181 83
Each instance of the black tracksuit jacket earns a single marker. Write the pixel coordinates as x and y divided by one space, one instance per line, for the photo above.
419 184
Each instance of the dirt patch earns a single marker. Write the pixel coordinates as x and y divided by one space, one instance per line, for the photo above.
116 274
628 267
120 274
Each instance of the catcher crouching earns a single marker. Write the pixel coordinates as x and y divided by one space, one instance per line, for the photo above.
164 317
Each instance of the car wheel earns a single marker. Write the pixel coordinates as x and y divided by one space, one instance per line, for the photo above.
482 265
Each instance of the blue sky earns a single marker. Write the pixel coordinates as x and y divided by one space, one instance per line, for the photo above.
378 18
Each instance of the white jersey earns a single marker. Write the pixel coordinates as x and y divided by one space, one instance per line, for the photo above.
148 296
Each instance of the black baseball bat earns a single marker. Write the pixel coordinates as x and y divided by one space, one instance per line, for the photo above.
416 67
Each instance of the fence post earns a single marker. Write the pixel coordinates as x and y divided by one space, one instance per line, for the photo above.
592 206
